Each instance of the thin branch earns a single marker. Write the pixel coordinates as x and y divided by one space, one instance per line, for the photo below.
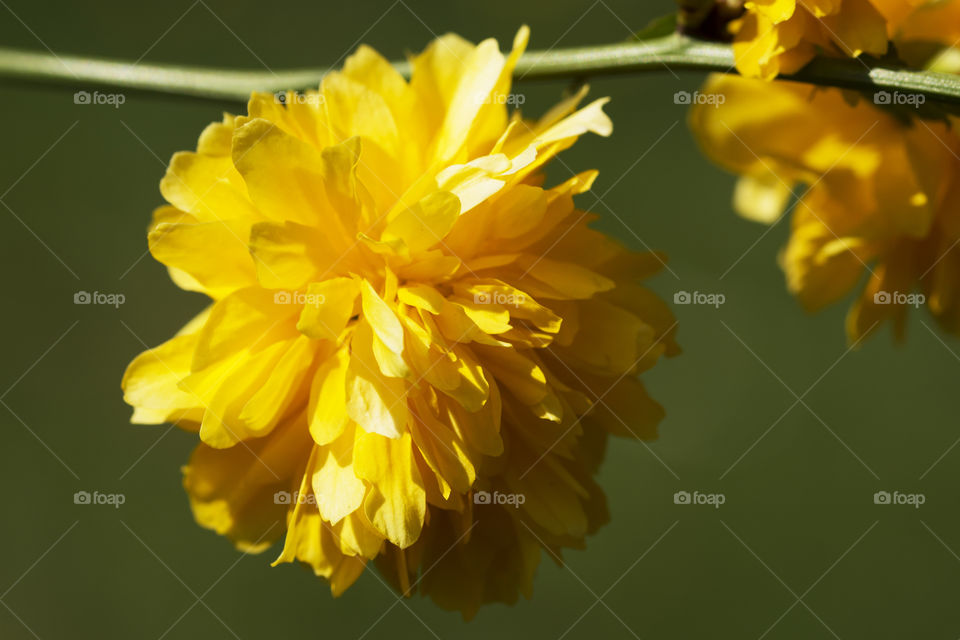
676 51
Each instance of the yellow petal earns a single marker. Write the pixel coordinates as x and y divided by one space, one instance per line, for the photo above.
567 279
187 247
422 297
480 428
520 374
232 491
152 380
328 307
475 181
357 110
357 536
443 451
327 410
816 276
313 541
590 118
474 388
519 210
858 27
396 501
284 175
374 401
553 498
351 204
381 318
476 78
761 198
225 390
269 401
243 321
608 338
288 255
345 574
338 490
208 187
428 359
488 318
425 223
517 303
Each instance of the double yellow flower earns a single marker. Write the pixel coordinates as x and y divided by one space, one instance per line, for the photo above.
415 350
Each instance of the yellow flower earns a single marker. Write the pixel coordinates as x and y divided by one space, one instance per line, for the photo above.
415 351
879 194
781 36
927 20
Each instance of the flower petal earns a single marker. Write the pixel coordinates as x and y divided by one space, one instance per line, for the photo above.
329 306
374 401
232 491
327 410
338 490
284 175
396 502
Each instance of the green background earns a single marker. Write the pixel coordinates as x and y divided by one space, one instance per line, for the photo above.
799 521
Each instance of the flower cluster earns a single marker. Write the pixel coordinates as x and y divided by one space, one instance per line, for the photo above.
781 36
409 333
877 180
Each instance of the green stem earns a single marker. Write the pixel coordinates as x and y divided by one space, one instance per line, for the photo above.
673 52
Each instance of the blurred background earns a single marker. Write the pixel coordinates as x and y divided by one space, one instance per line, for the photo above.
766 406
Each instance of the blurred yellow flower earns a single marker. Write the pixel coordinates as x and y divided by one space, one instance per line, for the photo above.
415 351
929 20
781 36
878 193
879 184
